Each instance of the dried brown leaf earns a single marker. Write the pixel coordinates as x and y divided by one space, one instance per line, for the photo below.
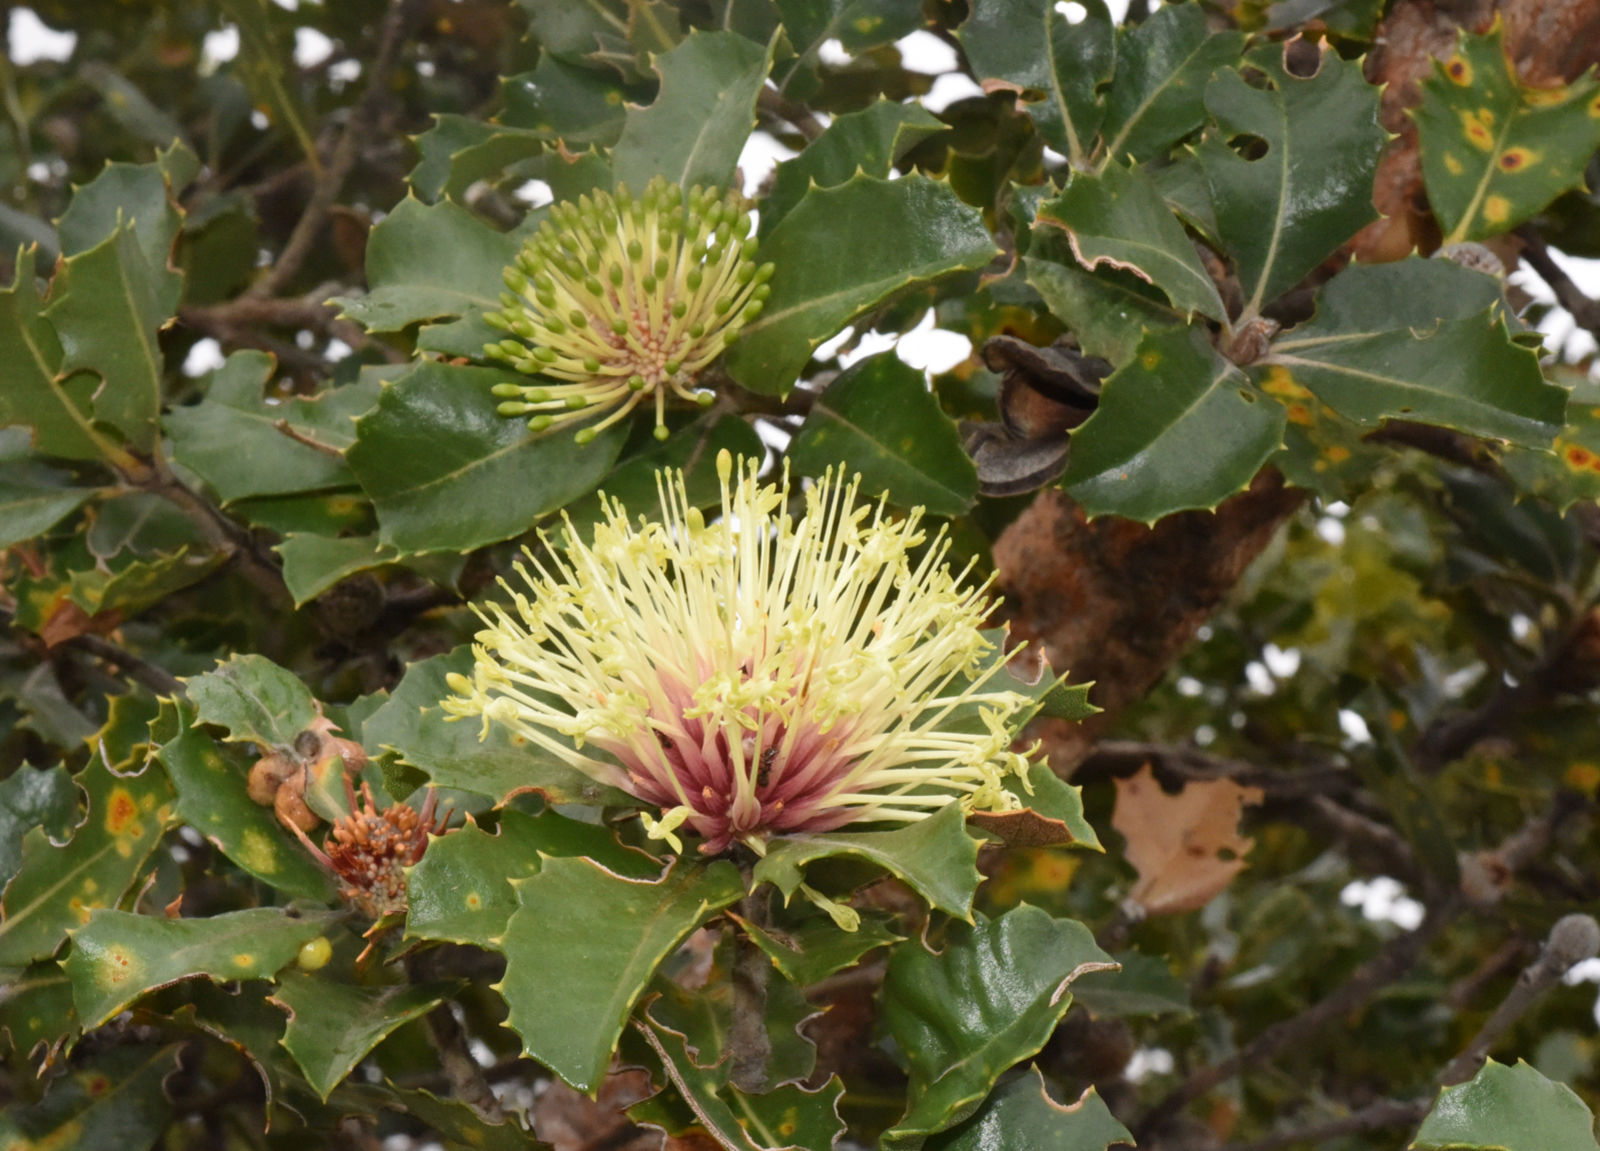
1186 847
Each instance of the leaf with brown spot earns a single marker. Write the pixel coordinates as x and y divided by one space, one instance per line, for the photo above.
1186 847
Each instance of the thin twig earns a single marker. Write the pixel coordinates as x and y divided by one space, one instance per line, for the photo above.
772 101
749 1045
1114 757
222 532
157 680
1585 310
461 1070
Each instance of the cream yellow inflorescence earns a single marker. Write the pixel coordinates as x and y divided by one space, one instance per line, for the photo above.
615 301
757 675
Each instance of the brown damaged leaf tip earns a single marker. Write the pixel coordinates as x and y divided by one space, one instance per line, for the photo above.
1185 847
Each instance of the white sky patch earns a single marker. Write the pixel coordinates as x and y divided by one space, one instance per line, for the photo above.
1354 727
344 71
949 88
1330 531
1384 899
1148 1061
1259 678
259 121
830 348
932 349
871 344
29 39
832 53
535 194
311 47
926 53
218 47
336 351
761 154
1561 332
1074 12
205 356
1282 664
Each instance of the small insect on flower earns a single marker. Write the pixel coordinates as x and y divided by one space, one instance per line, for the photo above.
616 300
755 676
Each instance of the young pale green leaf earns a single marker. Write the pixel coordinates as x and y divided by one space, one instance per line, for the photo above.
1281 213
465 754
113 1099
1145 986
236 442
988 1001
1158 94
58 885
332 1026
814 951
254 699
878 418
29 798
447 471
1507 1109
37 1015
1117 217
583 945
1056 67
697 127
458 151
213 799
846 249
1423 340
1108 311
1021 1115
934 856
1493 150
1176 428
118 956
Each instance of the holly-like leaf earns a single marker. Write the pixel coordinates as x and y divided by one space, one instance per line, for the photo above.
254 699
36 1013
58 885
465 754
934 856
460 1125
562 101
1185 847
29 798
697 127
1021 1114
314 563
1424 340
118 956
332 1026
1158 94
233 439
1507 1109
1570 471
112 1099
447 471
814 951
878 418
858 25
1282 212
458 151
1056 67
571 980
139 195
1108 311
1176 428
1052 815
846 249
1145 986
576 30
33 499
988 1001
1118 218
1493 150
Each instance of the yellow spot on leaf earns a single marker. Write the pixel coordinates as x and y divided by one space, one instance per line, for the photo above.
1516 159
1300 414
1545 97
1459 70
1491 775
256 853
1497 209
1594 108
1583 776
1451 164
1336 453
122 814
118 968
1281 384
243 960
1477 132
473 901
1150 361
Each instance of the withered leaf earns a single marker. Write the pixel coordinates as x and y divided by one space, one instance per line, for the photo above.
1185 847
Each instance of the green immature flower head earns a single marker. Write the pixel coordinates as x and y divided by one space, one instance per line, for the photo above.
617 300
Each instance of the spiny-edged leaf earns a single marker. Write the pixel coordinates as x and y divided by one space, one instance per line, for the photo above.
1117 217
139 195
458 151
107 305
1323 451
119 956
57 886
1570 470
820 947
133 585
697 127
232 438
332 1026
254 699
36 1013
878 418
1284 212
1493 150
113 1099
1057 67
563 101
575 27
1051 816
1176 428
1144 986
1158 94
498 765
788 1118
846 249
1108 311
29 798
1425 340
571 980
1182 184
33 499
988 1001
262 60
314 563
1021 1116
242 1018
462 890
213 799
447 471
460 1125
857 24
934 856
1507 1109
871 140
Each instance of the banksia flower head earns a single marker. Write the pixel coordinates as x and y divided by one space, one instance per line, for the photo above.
754 676
617 300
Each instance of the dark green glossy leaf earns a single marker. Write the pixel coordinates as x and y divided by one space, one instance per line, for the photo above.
1158 94
1507 1109
447 471
1055 66
36 1011
29 798
1118 218
1108 311
139 195
1570 471
811 953
314 563
571 980
858 25
118 956
114 1101
1494 151
1021 1116
254 699
846 249
988 1001
697 127
1176 428
569 28
878 418
1145 986
562 101
1281 214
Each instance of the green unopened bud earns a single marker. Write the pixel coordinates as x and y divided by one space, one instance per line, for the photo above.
544 355
661 432
586 435
704 399
512 408
577 319
576 403
615 275
764 272
636 383
514 279
673 367
619 327
635 251
506 391
540 423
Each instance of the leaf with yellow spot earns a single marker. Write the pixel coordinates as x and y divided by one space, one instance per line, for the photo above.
119 956
1569 471
36 1014
1495 151
114 1098
58 885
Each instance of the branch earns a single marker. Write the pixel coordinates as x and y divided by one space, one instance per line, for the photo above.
772 101
749 1045
1584 309
1115 757
157 680
225 321
223 533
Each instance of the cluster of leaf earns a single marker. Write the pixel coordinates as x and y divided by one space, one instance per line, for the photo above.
1177 194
